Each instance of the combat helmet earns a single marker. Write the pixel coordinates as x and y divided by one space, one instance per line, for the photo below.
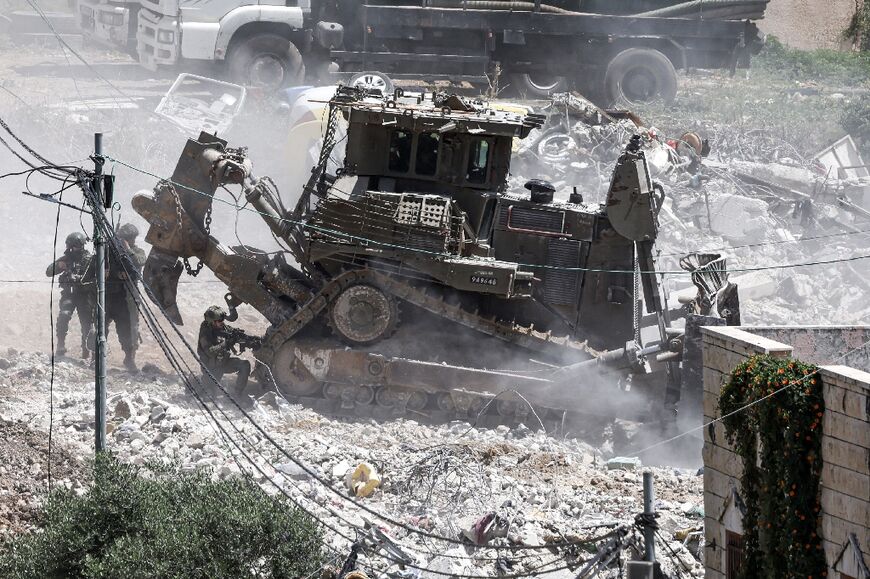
214 314
128 232
76 239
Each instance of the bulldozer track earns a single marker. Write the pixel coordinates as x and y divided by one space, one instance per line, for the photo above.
523 336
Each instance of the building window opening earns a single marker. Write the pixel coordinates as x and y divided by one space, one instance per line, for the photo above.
478 158
733 554
400 152
427 154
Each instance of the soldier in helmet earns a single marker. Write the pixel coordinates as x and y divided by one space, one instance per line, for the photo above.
122 267
216 343
74 291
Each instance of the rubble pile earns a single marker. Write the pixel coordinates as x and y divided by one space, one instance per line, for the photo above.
487 488
748 195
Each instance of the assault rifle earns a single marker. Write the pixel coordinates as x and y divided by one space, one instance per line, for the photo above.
235 337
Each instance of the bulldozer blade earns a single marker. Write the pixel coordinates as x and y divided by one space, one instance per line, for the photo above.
161 274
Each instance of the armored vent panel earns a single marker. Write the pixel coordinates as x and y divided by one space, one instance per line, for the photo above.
425 211
562 286
517 217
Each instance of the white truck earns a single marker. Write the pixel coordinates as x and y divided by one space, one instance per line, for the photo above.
628 56
252 37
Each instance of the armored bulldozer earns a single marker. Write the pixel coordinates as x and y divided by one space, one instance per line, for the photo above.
413 281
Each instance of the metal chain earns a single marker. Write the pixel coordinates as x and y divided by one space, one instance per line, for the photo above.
191 271
635 296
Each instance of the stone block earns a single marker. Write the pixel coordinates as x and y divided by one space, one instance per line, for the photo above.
849 378
740 340
713 380
712 532
849 509
713 505
711 404
722 459
846 428
845 401
721 359
837 530
846 481
845 454
719 483
715 433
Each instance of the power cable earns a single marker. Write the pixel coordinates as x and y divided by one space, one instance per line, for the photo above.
388 245
117 250
51 329
165 344
748 405
316 476
131 275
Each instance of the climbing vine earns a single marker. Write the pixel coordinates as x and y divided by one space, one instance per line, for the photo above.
779 441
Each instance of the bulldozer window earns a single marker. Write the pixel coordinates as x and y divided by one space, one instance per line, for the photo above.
478 157
400 151
427 154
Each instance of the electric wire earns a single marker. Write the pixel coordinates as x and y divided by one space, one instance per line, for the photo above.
174 357
52 355
748 405
388 245
540 570
325 483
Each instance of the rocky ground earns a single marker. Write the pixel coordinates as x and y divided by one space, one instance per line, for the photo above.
441 479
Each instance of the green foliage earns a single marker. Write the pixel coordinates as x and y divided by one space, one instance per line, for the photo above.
780 442
160 522
821 65
858 30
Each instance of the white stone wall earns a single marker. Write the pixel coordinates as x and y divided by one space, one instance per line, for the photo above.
845 484
809 24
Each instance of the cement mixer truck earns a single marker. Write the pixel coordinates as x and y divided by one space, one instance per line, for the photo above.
625 52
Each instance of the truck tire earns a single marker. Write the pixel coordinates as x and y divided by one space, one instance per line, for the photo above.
640 75
540 85
266 60
372 80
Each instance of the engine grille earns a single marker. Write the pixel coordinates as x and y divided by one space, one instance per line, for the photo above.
561 287
527 218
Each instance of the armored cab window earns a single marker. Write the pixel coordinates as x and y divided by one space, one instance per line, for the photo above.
478 159
400 151
427 153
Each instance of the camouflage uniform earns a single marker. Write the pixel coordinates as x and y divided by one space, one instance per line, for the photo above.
75 297
215 353
120 302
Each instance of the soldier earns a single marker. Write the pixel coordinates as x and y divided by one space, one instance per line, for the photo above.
215 347
74 294
120 301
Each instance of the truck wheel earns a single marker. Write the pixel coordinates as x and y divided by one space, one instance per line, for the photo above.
266 60
372 80
640 75
540 85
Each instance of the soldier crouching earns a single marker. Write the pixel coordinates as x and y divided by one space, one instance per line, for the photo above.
216 346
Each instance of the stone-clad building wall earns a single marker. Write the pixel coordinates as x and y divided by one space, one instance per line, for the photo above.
809 24
845 494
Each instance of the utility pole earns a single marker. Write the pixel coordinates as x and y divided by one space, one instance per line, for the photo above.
100 257
648 530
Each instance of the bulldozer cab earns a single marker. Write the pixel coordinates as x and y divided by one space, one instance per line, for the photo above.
432 144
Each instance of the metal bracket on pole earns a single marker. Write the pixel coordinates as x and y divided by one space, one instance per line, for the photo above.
100 258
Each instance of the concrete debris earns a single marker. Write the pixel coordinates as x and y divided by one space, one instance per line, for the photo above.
522 486
624 463
753 193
